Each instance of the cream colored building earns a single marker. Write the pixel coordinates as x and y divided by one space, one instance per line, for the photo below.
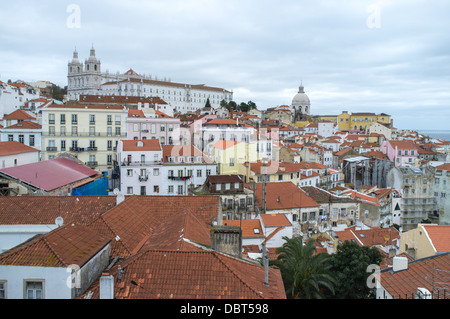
87 132
425 240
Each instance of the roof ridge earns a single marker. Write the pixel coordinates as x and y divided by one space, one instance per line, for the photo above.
46 242
216 255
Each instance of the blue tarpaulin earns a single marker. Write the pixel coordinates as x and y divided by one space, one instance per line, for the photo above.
97 187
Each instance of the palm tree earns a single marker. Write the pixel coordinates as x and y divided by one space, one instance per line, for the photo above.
305 275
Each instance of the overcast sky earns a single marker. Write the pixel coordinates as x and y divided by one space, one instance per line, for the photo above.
351 55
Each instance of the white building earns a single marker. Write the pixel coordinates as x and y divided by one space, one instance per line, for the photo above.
22 127
15 95
147 168
14 153
89 79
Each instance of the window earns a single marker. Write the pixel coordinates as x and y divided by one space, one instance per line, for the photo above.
51 130
10 137
91 130
34 290
117 119
2 289
109 131
109 159
109 145
63 145
208 172
129 190
74 119
91 119
51 119
117 131
129 172
74 131
21 138
170 189
227 186
180 190
143 190
199 173
236 185
62 118
32 140
156 172
218 187
109 119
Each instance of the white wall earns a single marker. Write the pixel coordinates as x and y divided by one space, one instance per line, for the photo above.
55 281
19 159
13 235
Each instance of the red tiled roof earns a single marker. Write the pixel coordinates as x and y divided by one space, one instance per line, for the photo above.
51 174
158 222
223 144
25 125
41 210
443 167
193 275
439 236
275 220
283 195
182 150
147 145
422 273
71 244
14 147
248 227
19 115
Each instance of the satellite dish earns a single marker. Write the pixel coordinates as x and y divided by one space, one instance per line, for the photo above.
59 221
116 191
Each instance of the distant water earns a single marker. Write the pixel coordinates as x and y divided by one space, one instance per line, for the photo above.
441 134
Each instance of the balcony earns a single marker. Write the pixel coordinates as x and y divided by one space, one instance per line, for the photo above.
143 178
86 134
140 163
91 163
180 178
51 149
92 148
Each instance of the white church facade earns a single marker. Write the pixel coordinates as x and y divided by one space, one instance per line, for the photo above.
88 79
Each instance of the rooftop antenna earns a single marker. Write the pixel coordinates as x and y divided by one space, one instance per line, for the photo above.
59 221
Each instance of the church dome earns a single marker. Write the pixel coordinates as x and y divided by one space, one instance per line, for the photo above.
301 98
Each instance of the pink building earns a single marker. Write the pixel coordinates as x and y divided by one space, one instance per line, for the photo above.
153 125
401 153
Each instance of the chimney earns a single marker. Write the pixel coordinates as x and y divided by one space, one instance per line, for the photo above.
106 286
227 240
399 263
266 265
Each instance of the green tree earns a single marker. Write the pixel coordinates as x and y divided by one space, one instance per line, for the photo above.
243 107
208 103
305 275
251 105
57 92
232 106
349 265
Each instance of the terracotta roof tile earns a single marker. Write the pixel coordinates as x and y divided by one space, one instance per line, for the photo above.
43 210
429 273
283 195
439 236
193 275
275 220
146 145
64 246
13 147
251 228
19 115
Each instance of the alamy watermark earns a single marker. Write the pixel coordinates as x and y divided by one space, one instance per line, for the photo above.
74 19
374 19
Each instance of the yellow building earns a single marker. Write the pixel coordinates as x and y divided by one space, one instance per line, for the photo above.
360 121
87 132
425 240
